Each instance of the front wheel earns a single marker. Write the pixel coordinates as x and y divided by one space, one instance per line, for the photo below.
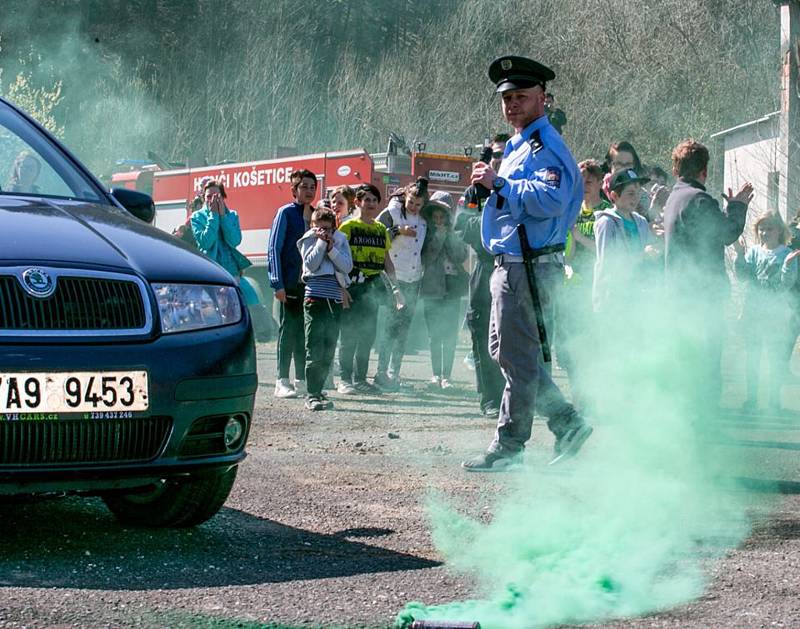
173 502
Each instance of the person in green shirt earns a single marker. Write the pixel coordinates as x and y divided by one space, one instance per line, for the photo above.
580 242
575 302
369 245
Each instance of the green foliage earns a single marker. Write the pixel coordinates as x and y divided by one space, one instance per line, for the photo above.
39 102
206 80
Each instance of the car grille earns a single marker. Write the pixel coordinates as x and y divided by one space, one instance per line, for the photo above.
82 441
78 303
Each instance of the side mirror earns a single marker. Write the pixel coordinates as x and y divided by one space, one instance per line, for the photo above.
137 203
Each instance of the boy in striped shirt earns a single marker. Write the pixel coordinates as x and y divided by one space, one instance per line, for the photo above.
324 251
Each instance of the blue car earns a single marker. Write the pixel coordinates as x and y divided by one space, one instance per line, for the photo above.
127 360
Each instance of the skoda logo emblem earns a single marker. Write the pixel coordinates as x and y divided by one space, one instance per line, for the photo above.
38 283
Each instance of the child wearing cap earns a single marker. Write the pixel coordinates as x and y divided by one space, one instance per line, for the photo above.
444 283
623 240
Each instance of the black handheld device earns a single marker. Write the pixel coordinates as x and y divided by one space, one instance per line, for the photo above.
477 192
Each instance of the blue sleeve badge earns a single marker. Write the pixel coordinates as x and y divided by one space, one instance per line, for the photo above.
552 177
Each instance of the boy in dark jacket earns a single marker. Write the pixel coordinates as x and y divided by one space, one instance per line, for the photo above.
291 222
696 232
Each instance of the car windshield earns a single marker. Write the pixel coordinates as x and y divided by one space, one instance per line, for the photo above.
31 165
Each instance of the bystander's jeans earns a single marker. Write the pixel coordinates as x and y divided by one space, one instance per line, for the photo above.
443 321
398 321
291 337
768 332
698 329
322 318
359 323
514 344
488 377
575 332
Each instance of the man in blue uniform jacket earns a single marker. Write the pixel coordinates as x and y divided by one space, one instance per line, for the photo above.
540 187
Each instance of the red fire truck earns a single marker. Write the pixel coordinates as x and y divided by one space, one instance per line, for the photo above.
257 189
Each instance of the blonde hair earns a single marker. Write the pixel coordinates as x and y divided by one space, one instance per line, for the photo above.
773 219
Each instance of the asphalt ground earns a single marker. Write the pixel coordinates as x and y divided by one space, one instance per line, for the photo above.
326 525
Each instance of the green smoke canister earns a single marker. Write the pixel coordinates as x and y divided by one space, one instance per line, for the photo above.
444 624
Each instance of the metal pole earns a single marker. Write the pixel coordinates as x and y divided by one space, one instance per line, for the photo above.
789 137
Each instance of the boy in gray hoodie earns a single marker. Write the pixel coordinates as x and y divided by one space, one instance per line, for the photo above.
326 258
623 240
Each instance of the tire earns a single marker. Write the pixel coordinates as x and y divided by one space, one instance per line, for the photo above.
174 502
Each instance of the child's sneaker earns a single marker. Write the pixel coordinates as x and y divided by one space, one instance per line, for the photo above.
386 382
749 406
445 383
284 389
381 378
346 388
364 387
314 403
326 403
435 383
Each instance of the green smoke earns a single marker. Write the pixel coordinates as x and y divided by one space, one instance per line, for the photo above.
626 527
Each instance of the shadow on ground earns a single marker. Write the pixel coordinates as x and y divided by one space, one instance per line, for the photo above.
76 543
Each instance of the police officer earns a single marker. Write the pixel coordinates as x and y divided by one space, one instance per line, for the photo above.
539 187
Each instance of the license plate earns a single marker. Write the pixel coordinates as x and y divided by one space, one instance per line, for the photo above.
74 392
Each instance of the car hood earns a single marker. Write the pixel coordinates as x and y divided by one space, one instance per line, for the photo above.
71 233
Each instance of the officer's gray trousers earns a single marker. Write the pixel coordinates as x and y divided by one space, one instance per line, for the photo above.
514 345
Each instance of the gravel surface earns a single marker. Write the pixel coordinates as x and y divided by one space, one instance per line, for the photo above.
325 528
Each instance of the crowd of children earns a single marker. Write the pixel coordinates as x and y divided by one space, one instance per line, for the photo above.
353 259
615 254
334 267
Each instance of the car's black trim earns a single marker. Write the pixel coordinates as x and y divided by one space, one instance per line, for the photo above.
108 479
216 388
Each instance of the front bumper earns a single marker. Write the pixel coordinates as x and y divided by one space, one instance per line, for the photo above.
192 375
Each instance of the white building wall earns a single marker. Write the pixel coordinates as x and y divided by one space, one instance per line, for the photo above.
751 154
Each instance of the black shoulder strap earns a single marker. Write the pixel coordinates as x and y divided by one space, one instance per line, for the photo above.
536 142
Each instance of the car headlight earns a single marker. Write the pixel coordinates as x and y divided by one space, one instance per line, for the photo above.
186 307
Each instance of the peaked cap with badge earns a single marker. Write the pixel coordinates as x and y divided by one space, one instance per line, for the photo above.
516 73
